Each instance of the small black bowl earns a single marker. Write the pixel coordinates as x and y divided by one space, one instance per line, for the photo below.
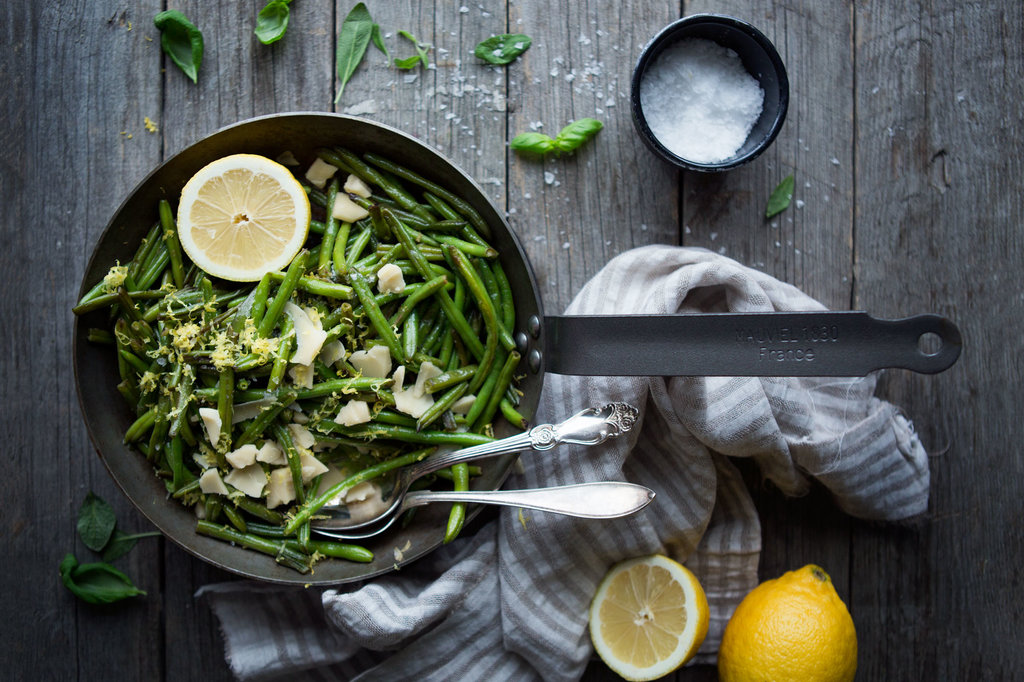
760 59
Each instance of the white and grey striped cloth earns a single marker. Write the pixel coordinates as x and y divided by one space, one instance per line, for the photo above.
511 601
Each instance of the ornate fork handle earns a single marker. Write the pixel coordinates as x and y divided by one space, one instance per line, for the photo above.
588 427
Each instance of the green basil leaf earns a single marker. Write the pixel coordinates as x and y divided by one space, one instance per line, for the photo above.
503 49
353 39
97 583
272 21
96 522
576 133
420 56
181 41
780 198
378 41
536 143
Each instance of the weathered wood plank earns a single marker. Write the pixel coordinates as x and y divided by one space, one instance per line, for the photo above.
938 215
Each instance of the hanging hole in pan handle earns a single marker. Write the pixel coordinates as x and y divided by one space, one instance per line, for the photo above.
938 344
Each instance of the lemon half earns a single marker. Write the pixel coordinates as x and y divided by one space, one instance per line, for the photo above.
649 617
242 216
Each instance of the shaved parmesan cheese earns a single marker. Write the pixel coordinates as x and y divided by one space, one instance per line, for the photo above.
211 420
242 457
331 478
281 489
302 436
347 210
390 279
355 185
320 172
365 502
406 399
375 362
302 375
463 404
427 371
332 352
249 410
309 335
210 482
271 453
354 412
250 480
287 158
311 467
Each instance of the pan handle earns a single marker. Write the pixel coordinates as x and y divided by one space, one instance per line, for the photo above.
747 344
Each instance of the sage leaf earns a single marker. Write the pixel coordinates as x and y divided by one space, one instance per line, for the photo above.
378 40
780 198
576 133
419 58
97 583
353 39
535 143
181 41
96 522
503 49
272 21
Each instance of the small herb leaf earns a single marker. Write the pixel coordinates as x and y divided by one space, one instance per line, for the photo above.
272 21
503 49
181 41
121 543
353 40
535 143
419 58
97 583
96 522
378 40
576 133
780 198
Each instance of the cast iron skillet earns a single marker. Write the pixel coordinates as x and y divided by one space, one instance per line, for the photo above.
843 344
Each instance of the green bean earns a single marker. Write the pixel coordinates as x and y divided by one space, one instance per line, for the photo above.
440 406
338 550
259 300
334 159
455 316
457 515
330 229
483 304
428 288
305 511
405 434
508 308
469 248
504 378
285 346
317 227
140 426
260 511
156 262
284 398
356 247
512 415
284 293
446 226
181 408
142 254
225 405
410 335
377 319
170 230
341 387
278 549
284 439
104 300
340 243
388 417
460 205
449 378
134 360
375 177
317 287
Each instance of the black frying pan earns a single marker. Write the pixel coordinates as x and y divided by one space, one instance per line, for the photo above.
844 343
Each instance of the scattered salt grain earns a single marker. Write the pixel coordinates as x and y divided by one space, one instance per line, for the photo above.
699 100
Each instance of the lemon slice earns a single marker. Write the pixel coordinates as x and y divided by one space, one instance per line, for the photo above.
648 618
242 216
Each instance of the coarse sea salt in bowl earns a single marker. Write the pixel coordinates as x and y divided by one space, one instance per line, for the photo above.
709 93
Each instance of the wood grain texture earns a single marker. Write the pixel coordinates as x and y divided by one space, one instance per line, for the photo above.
902 134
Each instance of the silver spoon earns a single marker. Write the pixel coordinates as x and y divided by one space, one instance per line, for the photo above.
589 427
601 500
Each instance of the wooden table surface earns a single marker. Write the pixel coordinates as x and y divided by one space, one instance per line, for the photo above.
904 137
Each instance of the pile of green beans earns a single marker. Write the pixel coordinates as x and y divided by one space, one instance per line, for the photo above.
185 341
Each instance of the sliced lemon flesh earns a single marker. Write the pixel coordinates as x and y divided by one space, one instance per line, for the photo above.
648 617
242 216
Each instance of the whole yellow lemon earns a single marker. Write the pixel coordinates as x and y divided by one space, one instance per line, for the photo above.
792 628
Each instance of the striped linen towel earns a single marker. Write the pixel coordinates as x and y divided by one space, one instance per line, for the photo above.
511 601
